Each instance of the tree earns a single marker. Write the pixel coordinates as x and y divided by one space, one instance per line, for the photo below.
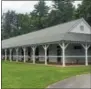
39 14
14 24
24 23
62 12
84 10
9 23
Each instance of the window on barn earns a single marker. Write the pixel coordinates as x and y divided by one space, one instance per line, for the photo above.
77 47
82 28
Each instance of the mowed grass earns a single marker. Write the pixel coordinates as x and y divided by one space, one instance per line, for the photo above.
25 75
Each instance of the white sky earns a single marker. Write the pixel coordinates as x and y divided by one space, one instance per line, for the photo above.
24 6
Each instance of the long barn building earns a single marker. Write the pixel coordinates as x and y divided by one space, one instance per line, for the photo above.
67 43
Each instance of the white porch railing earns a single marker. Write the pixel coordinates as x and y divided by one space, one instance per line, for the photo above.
50 56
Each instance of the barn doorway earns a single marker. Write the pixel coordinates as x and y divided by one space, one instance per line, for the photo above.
29 50
47 55
58 54
37 54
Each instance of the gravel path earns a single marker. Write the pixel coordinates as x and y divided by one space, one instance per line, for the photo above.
79 81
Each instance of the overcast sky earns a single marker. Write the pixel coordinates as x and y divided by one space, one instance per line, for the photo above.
24 6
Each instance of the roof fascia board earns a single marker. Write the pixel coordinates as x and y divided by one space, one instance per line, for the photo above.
56 42
86 24
74 26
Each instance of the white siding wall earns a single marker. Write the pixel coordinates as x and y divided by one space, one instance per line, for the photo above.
41 53
74 52
53 52
87 30
69 51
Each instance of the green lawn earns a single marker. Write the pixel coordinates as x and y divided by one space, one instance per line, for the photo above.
25 75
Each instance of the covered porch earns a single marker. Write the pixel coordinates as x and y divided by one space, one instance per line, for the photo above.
60 53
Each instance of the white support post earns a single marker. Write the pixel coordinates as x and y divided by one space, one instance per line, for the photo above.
33 48
86 47
16 54
45 49
63 46
24 51
10 51
86 59
5 54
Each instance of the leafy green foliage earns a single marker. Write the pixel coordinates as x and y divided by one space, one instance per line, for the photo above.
62 12
42 16
84 10
24 23
39 14
9 23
